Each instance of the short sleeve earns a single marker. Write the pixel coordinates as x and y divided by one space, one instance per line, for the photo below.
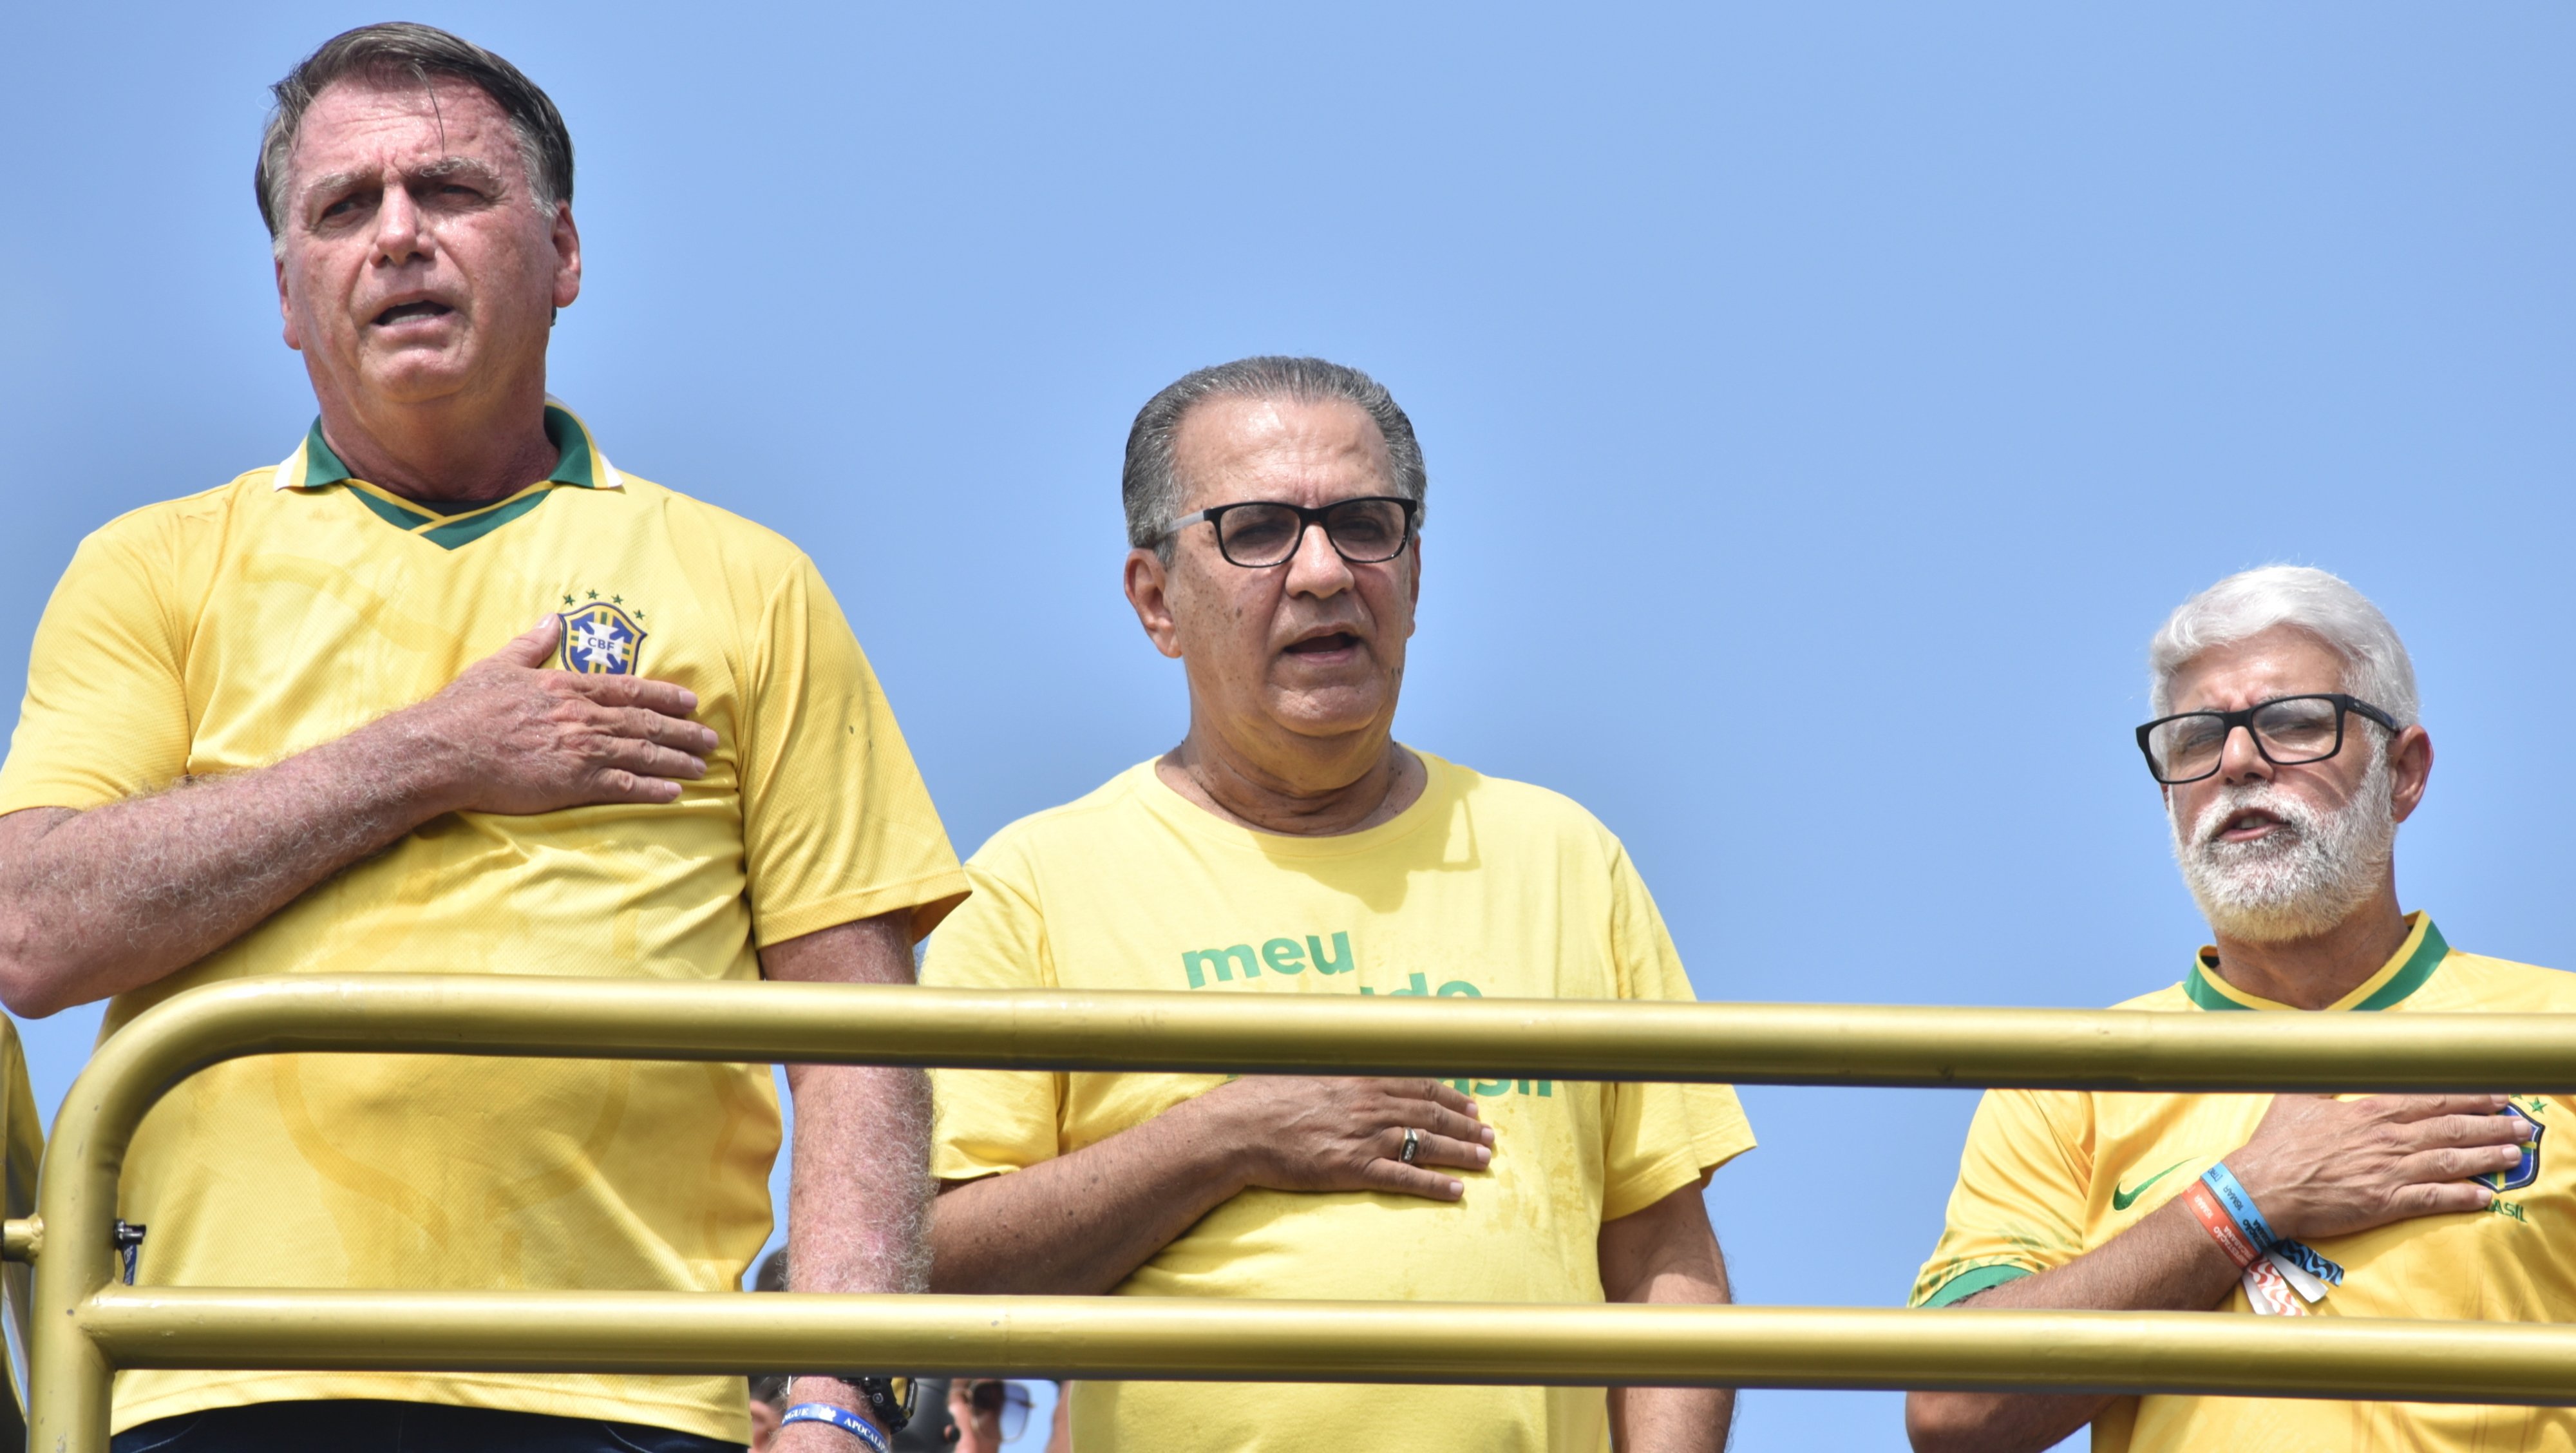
1659 1138
2019 1204
106 712
987 1121
837 824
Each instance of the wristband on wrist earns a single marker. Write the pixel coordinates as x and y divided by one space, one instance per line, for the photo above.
2308 1259
2240 1206
2222 1227
841 1418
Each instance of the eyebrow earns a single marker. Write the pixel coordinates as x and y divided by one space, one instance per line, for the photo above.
439 170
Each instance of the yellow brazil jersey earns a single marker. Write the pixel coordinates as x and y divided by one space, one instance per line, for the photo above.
2049 1175
1481 888
227 630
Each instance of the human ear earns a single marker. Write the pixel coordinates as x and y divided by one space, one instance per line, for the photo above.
2410 761
1149 581
286 310
567 244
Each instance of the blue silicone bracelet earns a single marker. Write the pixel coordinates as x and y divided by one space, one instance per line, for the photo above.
2223 1184
841 1418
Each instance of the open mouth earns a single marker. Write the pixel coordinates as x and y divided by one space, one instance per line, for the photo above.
1324 645
2246 825
405 312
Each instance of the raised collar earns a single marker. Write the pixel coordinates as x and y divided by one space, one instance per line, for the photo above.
2403 974
314 466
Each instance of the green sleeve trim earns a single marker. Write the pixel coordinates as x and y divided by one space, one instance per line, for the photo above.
1968 1283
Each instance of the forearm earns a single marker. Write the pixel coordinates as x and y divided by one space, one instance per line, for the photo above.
94 903
2164 1263
1673 1419
98 902
1082 1222
859 1191
1667 1254
857 1199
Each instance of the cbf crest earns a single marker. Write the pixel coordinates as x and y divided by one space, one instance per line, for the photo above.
2519 1176
600 639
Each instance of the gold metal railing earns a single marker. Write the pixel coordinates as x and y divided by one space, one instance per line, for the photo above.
22 1149
87 1324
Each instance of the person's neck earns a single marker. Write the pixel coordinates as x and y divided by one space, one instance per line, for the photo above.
457 453
1326 790
2311 973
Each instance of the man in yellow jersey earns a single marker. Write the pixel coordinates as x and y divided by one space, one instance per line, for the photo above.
300 723
2288 751
1290 845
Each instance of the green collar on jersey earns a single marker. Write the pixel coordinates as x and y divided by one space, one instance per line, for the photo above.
2429 951
577 463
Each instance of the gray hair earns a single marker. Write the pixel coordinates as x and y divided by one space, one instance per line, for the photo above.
402 51
1151 482
2376 667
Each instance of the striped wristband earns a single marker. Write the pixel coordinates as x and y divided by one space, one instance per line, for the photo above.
841 1418
2220 1226
2231 1196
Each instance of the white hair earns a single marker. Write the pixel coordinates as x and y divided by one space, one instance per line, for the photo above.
2376 666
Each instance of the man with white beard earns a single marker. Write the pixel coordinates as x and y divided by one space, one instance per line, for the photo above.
2287 750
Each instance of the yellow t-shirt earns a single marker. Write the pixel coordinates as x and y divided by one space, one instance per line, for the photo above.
224 631
1483 888
2050 1174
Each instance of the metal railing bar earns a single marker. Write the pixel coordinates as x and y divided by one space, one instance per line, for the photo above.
1188 1338
22 1149
1784 1044
1217 1031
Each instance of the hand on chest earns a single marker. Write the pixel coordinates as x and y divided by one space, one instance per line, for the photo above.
293 653
2149 1153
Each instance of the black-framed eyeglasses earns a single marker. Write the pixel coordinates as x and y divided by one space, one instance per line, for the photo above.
2287 730
1258 534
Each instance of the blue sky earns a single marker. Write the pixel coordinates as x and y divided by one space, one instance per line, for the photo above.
1822 403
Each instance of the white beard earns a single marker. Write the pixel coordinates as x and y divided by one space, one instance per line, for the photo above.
2302 878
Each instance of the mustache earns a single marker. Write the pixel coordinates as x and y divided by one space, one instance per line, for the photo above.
2295 815
1327 625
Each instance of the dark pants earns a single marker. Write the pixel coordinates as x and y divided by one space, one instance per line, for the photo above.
366 1426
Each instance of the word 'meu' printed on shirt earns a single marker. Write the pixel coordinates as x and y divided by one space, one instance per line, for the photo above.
1291 956
1284 955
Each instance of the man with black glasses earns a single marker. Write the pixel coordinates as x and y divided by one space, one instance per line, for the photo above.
1289 845
2287 750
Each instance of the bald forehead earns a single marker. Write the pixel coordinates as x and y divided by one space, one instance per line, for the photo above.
1274 447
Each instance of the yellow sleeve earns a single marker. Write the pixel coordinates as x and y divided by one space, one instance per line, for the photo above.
106 712
2019 1204
1660 1137
987 1121
837 825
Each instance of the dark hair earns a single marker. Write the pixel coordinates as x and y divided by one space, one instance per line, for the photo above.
1151 484
399 51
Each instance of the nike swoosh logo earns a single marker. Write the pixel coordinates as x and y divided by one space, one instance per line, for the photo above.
2123 1198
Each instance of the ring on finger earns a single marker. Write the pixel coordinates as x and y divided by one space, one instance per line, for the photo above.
1412 1145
